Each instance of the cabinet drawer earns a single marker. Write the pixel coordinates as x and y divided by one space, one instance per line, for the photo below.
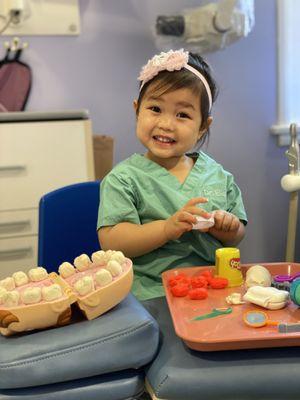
18 223
38 157
17 254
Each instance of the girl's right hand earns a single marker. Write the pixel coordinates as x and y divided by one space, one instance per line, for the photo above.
184 219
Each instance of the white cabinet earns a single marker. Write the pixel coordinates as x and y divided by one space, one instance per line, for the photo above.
39 152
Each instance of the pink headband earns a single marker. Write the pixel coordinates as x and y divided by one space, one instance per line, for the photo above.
171 61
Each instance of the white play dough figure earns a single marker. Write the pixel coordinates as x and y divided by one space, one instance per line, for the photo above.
103 277
37 274
31 295
8 283
234 298
52 292
11 299
114 268
84 285
258 276
66 269
204 223
267 297
20 278
82 262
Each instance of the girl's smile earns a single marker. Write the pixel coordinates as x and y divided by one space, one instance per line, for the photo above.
164 140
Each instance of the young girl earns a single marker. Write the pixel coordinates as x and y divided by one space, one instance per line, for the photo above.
149 203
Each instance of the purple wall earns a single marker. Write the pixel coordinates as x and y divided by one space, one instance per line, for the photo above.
98 70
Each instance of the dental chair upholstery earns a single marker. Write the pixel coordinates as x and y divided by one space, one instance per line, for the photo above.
86 360
179 373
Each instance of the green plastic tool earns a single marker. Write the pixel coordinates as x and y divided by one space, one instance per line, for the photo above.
214 313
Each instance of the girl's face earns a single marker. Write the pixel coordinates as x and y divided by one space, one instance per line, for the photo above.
169 125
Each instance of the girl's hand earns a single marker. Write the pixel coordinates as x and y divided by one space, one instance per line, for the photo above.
182 221
225 222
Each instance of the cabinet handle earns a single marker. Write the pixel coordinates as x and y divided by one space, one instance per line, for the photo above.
15 253
6 227
12 168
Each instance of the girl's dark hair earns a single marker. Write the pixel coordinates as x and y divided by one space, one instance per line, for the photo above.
167 81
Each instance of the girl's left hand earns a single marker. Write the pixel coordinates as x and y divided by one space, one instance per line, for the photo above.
225 221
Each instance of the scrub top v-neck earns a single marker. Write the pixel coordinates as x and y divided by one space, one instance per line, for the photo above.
140 191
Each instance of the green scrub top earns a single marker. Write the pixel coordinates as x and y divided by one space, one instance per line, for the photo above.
139 191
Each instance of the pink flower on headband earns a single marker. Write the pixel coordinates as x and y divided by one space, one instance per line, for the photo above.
170 61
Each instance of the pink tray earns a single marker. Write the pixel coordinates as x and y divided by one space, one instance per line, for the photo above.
229 332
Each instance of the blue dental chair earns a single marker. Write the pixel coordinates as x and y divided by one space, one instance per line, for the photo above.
86 360
67 224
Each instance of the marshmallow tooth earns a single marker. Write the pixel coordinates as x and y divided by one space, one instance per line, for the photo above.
114 268
31 295
103 277
84 285
37 274
3 294
20 278
8 283
99 257
82 262
66 269
108 254
11 299
118 256
52 292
